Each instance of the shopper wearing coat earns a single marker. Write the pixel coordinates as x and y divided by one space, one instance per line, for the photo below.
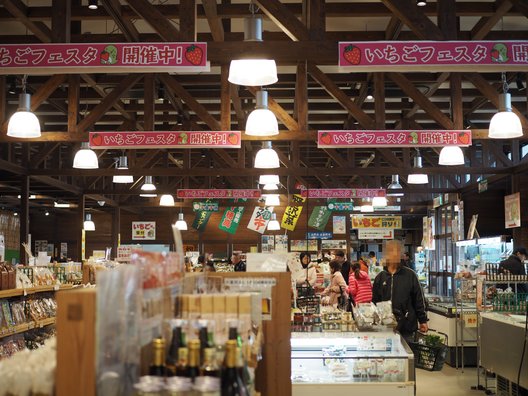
359 286
514 265
309 273
337 287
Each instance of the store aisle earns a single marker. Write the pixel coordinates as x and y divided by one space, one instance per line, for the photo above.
448 382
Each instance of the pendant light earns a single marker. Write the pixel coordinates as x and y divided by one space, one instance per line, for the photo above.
92 4
148 184
417 178
269 179
421 3
253 72
262 121
89 225
85 158
24 123
271 199
166 200
273 224
266 157
379 202
181 224
505 124
122 163
270 187
394 185
367 206
451 155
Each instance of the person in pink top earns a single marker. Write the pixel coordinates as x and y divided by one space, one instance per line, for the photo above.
359 286
337 285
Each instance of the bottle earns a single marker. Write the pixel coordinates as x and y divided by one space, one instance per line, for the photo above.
205 341
183 362
209 366
231 383
157 368
177 342
193 370
233 332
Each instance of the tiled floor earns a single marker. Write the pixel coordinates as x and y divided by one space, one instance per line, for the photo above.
448 382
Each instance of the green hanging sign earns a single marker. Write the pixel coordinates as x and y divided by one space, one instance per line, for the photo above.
207 206
341 206
231 219
201 219
319 217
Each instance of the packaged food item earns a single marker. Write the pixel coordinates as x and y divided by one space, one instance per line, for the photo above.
385 314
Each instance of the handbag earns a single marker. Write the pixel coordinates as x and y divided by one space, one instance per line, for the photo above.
343 300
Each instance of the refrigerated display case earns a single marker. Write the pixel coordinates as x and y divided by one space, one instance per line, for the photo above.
367 363
474 254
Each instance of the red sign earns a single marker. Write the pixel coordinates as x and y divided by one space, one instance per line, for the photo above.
393 138
343 193
447 55
103 58
218 193
165 139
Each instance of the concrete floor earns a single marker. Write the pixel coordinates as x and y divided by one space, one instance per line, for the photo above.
448 382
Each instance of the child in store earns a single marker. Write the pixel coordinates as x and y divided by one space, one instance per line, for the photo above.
359 286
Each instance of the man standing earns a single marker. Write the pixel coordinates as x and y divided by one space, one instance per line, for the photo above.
240 266
407 261
340 257
514 265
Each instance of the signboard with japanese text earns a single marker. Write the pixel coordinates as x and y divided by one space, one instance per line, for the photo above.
339 224
512 210
319 235
290 217
231 219
201 219
260 219
393 138
343 192
296 198
341 206
360 221
207 206
103 58
382 233
268 243
144 230
165 139
217 193
484 56
319 217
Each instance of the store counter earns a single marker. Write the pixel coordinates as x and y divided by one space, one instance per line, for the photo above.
502 337
345 363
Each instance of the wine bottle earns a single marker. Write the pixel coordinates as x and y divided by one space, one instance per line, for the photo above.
233 332
232 384
157 368
183 362
193 370
209 366
177 342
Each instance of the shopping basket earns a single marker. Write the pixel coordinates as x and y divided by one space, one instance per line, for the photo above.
429 350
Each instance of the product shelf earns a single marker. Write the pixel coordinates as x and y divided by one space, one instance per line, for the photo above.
32 290
25 327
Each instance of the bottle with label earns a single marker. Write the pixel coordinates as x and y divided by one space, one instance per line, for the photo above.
157 368
209 366
193 370
231 383
183 362
177 342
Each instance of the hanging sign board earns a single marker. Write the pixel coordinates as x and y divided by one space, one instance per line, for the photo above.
260 219
231 219
483 186
319 235
144 230
393 138
341 206
103 58
339 224
382 233
512 210
206 206
217 193
319 217
343 193
165 139
290 217
360 221
484 56
201 219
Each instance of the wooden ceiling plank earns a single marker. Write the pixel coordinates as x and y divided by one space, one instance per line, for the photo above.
457 110
74 88
429 107
188 20
159 22
485 24
20 11
237 105
43 153
414 18
379 100
447 19
389 156
127 83
215 23
284 19
393 29
301 96
283 116
149 104
521 6
288 164
114 9
365 120
316 19
61 21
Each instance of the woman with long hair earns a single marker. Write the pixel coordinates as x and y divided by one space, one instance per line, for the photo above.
359 286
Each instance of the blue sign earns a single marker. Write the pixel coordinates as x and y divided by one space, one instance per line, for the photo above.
319 235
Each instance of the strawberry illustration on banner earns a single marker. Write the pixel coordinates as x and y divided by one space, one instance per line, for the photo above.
290 217
260 219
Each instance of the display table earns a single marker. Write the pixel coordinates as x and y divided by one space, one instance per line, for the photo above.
338 364
501 344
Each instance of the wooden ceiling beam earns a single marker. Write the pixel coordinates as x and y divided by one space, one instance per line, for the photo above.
61 21
379 100
289 165
188 20
73 102
316 19
149 104
301 95
394 28
485 24
43 153
287 120
215 23
521 6
114 9
284 19
159 22
20 11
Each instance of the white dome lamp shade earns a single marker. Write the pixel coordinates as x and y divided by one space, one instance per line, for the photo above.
266 157
85 158
394 185
270 186
24 123
379 202
262 121
269 179
122 163
367 206
166 200
88 225
505 124
272 199
451 155
181 224
273 224
148 187
418 178
253 72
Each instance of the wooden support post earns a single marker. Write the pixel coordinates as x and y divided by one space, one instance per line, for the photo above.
379 100
24 217
80 225
116 230
61 21
148 102
73 102
188 20
225 99
301 96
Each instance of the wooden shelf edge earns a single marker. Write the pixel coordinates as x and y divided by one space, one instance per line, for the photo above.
37 289
27 326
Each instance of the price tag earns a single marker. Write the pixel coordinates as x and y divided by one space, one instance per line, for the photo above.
470 320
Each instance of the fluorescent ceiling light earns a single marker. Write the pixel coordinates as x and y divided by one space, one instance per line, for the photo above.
394 185
85 158
122 163
148 184
505 124
272 199
266 157
273 224
61 205
262 121
166 200
379 202
24 123
270 187
418 178
181 224
269 179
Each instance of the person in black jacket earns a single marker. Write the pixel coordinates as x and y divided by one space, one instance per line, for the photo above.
400 285
514 265
340 257
239 264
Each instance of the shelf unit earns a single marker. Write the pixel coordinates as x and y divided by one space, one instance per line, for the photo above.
32 290
26 326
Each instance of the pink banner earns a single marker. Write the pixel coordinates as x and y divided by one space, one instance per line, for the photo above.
104 58
388 55
343 192
218 193
393 138
165 139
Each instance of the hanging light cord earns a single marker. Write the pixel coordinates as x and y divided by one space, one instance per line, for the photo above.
253 8
24 81
505 86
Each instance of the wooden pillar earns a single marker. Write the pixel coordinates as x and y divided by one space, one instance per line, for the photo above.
148 102
188 20
61 21
379 100
301 96
80 225
24 217
116 230
225 99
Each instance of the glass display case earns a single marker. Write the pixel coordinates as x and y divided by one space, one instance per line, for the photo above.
474 254
345 363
